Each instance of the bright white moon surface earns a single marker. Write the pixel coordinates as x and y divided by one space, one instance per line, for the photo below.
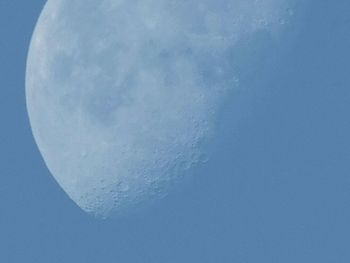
122 95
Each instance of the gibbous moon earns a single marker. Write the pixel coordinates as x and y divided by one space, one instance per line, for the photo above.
122 94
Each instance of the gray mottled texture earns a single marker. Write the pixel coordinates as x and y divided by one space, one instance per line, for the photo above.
122 95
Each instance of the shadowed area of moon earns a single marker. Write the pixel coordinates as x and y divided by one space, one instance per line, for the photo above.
122 95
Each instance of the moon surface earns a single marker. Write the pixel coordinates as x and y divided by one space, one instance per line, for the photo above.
122 95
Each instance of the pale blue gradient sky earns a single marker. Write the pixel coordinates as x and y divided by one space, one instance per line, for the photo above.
278 190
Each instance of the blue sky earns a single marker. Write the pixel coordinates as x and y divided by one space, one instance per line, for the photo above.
277 189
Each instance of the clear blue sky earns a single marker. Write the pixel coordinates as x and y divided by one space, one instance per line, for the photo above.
277 190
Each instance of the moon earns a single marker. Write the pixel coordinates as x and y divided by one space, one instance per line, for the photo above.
123 95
